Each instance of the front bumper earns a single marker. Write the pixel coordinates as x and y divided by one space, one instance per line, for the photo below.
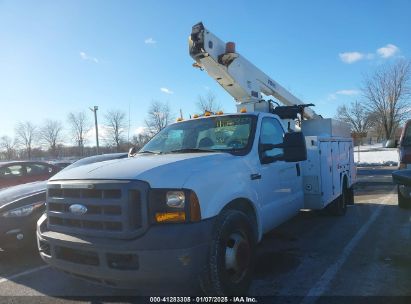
166 255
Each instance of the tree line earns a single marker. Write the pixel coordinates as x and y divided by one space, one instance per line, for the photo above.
383 108
385 101
53 140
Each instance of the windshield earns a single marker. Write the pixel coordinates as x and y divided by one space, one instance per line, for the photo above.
232 134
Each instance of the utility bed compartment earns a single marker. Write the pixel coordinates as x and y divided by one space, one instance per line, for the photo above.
329 159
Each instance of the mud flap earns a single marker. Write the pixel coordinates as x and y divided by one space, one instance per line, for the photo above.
350 196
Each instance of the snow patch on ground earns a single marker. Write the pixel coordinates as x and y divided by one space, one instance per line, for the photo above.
375 155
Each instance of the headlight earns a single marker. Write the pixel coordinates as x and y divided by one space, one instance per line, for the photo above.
175 199
23 211
174 206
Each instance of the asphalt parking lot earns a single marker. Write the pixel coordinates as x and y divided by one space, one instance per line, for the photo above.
365 253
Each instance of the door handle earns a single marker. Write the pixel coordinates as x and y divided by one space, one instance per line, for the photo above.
255 176
297 166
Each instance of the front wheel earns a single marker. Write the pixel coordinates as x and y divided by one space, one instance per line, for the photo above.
231 257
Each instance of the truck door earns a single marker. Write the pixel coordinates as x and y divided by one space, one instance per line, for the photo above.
280 186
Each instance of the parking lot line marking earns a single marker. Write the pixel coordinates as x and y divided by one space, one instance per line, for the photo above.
322 284
24 273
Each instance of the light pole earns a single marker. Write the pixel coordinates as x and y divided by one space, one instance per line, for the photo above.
95 121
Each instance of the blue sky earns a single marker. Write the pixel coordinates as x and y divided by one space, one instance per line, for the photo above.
63 56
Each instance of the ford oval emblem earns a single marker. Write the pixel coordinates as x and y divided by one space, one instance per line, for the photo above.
78 209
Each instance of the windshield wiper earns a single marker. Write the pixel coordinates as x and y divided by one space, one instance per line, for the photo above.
192 150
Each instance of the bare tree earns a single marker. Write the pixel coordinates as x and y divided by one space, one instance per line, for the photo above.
8 146
50 134
115 123
26 134
159 116
387 92
208 103
140 140
79 125
356 115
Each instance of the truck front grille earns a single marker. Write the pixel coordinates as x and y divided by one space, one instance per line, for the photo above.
108 208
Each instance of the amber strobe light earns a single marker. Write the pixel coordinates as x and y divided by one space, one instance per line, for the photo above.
170 217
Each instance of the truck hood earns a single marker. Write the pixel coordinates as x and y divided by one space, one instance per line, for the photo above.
167 170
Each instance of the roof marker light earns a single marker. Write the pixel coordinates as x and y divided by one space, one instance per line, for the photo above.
243 110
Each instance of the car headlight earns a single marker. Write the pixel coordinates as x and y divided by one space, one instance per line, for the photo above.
23 211
174 206
175 199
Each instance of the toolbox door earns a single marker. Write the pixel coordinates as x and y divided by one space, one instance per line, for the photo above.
326 164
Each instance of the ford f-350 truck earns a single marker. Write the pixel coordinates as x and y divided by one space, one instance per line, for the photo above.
191 205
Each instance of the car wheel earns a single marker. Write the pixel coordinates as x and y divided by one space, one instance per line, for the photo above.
230 260
339 206
26 245
403 202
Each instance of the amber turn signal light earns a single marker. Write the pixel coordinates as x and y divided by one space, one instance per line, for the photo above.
195 211
170 217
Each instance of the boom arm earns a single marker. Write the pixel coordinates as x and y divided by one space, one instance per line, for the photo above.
239 77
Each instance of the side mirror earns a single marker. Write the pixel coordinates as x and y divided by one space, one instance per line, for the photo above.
132 152
294 147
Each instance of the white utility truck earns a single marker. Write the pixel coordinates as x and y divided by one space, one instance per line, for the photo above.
191 205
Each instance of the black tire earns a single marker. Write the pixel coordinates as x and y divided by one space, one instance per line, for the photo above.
403 202
339 206
350 196
230 261
27 245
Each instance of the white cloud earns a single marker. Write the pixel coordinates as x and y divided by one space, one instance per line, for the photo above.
347 92
334 96
85 56
150 41
167 91
140 130
90 135
351 57
384 52
388 51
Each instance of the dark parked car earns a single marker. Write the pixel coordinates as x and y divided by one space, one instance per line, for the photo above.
21 172
404 150
21 206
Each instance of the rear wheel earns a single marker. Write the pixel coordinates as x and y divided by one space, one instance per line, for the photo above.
231 258
339 206
403 202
